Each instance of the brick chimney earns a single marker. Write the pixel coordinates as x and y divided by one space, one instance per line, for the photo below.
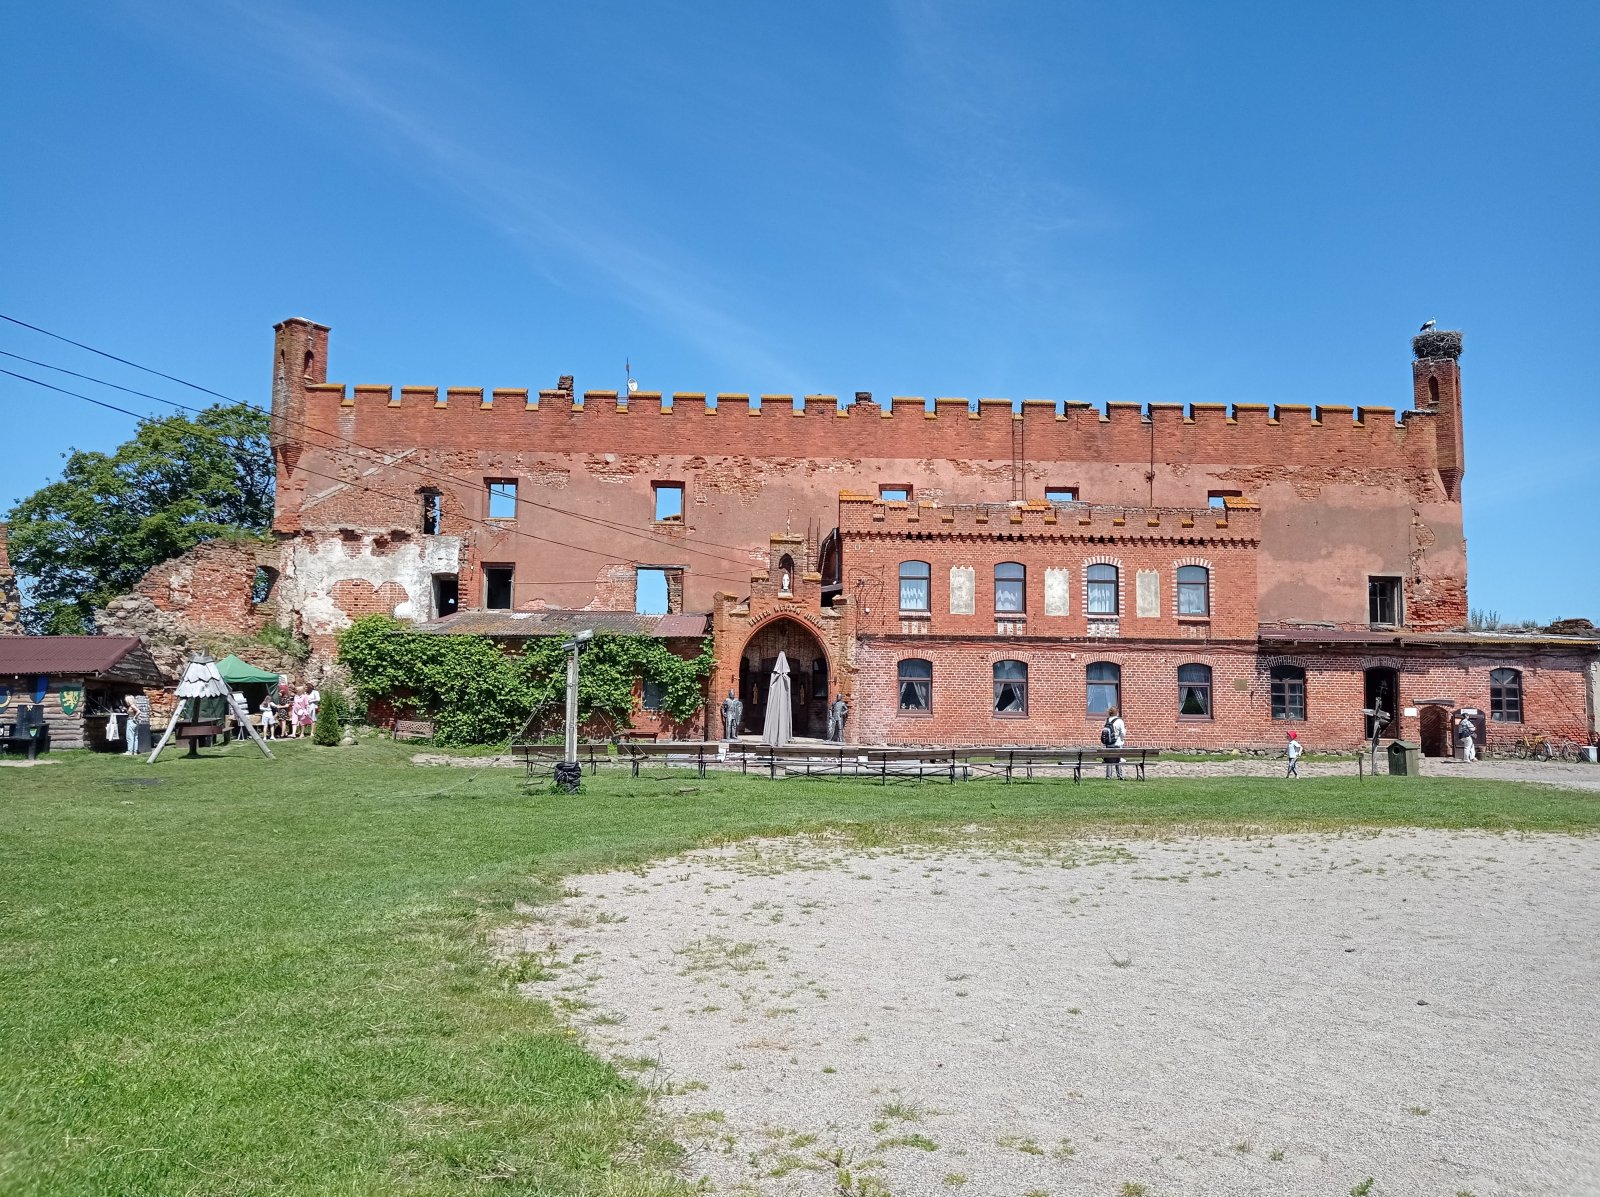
10 593
1436 387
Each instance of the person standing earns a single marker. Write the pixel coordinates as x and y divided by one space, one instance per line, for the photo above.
313 701
130 734
1293 753
1114 735
299 712
269 717
1467 737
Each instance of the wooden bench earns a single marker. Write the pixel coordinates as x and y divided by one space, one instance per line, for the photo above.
690 752
545 756
854 760
1009 762
1137 757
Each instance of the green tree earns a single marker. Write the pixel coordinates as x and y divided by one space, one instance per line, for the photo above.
91 535
329 726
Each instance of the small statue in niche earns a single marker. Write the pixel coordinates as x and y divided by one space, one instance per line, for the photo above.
785 589
732 716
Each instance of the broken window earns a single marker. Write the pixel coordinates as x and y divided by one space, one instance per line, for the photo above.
654 696
1505 695
1288 692
915 582
1010 588
1061 494
895 492
446 594
1383 602
669 501
1010 688
916 685
261 586
1104 685
502 498
1194 590
498 587
1101 583
1194 691
432 512
658 590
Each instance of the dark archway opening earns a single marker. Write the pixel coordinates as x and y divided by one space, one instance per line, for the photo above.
1435 730
808 677
1383 690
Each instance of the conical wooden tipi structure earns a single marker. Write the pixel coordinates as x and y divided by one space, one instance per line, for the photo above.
204 700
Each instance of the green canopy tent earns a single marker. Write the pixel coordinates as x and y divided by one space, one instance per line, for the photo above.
244 678
240 673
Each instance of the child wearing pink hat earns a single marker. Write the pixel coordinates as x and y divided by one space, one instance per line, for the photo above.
1294 756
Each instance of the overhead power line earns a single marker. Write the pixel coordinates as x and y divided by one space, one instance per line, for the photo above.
428 475
368 488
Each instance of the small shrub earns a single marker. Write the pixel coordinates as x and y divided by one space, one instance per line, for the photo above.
330 720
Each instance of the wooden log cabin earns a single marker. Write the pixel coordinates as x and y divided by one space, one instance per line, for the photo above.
80 681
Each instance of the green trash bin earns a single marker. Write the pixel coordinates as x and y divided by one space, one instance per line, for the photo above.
1405 758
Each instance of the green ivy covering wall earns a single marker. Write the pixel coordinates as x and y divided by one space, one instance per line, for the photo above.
476 693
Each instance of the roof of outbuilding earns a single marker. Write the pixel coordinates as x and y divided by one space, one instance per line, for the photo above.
90 656
506 624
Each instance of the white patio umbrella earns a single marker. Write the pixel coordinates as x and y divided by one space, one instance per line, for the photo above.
778 729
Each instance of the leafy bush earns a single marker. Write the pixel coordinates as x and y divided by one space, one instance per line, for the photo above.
285 641
475 693
330 720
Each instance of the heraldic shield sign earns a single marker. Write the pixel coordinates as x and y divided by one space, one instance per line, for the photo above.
5 697
71 698
41 687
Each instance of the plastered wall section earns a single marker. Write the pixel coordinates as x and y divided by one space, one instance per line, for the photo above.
330 581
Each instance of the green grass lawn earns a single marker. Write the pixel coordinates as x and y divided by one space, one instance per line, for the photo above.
271 976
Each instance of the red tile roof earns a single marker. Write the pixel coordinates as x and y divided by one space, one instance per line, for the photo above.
115 656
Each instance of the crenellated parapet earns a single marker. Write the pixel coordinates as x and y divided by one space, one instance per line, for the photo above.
311 412
1237 522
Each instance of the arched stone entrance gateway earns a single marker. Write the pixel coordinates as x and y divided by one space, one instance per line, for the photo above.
808 676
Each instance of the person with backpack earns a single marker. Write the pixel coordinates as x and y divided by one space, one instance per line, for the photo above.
1113 734
1293 753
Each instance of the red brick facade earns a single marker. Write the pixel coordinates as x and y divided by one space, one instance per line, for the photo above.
1290 512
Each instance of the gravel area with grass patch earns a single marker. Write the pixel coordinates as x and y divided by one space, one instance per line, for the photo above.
1280 1014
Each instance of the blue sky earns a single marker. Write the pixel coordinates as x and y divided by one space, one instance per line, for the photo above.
1153 202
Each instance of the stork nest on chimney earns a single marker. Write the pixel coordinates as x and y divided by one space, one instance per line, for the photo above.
1440 343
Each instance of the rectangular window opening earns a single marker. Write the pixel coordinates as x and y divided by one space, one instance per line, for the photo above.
1061 494
432 512
498 587
1219 498
1383 602
502 498
915 678
446 594
669 502
654 696
658 590
895 493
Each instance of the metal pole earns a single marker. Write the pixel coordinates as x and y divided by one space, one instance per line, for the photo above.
569 773
571 754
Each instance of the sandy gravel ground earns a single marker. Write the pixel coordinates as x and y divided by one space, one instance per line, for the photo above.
1286 1014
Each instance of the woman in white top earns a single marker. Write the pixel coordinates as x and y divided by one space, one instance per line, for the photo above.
1114 735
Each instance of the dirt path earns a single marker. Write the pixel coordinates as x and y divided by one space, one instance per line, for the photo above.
1289 1014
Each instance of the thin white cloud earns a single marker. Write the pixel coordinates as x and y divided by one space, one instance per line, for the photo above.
538 212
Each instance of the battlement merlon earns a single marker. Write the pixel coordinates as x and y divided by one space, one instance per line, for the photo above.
561 419
1238 521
